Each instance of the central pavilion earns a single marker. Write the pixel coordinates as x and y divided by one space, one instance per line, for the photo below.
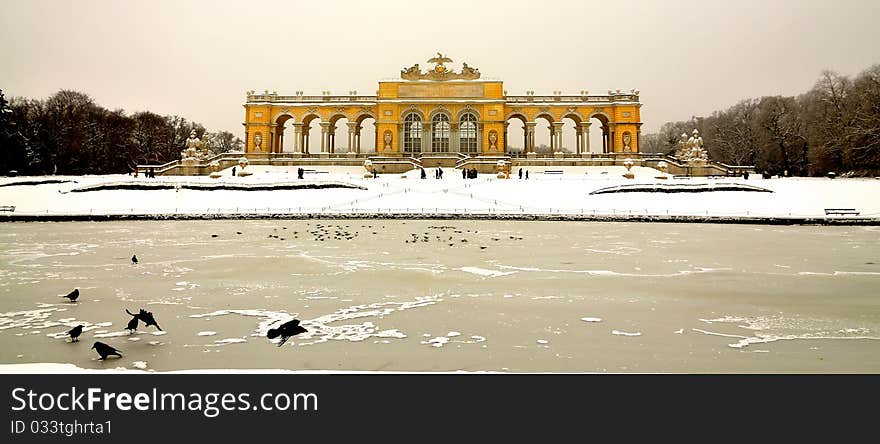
439 112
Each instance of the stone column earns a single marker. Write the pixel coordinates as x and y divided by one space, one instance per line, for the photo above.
427 143
604 138
352 136
454 141
611 132
272 141
297 138
584 131
325 137
557 136
530 137
506 147
639 139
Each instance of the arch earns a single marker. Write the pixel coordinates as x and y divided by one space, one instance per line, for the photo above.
412 133
546 116
599 138
283 113
280 120
366 132
363 115
412 110
439 110
516 139
543 136
467 110
601 115
440 132
573 115
310 132
468 133
309 117
570 139
334 129
336 116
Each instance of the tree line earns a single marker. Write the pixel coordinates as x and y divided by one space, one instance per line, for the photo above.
69 133
834 127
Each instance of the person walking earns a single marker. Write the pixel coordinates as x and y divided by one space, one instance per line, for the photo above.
527 174
233 171
464 173
439 173
520 173
424 176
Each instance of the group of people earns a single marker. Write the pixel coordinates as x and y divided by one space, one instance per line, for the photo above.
469 173
521 173
438 173
149 174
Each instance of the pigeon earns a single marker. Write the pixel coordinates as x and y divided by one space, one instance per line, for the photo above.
75 332
105 350
286 330
146 317
134 259
72 295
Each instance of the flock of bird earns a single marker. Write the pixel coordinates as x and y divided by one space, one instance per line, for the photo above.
285 330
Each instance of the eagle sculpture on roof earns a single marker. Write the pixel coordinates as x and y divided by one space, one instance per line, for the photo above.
440 59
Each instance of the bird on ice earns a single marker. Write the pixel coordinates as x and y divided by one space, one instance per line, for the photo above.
105 350
286 331
75 332
146 317
134 259
133 323
72 295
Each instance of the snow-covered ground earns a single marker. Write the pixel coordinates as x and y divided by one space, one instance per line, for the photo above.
543 193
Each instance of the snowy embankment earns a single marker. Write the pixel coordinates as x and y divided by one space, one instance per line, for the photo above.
44 368
345 192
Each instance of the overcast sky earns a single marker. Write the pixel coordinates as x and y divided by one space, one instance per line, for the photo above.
197 58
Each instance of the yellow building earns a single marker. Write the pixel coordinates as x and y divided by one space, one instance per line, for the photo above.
439 111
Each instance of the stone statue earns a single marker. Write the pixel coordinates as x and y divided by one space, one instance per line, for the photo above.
627 139
191 153
258 139
691 149
469 73
493 139
411 73
439 72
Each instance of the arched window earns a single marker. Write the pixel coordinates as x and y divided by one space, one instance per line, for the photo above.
467 134
440 126
412 134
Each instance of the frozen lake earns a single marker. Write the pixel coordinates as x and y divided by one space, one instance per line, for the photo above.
422 295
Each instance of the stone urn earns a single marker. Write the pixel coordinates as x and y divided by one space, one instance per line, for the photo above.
628 164
242 163
662 167
503 170
368 165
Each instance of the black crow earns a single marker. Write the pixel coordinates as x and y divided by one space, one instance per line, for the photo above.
286 330
72 295
134 259
146 317
75 332
105 350
132 324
